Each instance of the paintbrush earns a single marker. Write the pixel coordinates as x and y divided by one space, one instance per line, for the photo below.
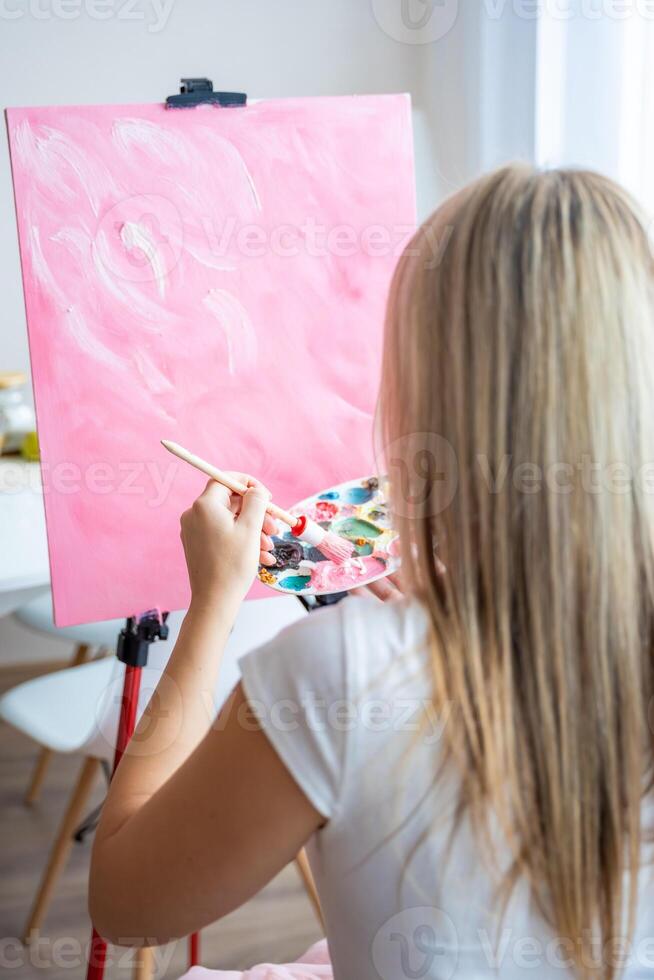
335 548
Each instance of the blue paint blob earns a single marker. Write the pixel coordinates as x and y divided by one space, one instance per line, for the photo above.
296 583
358 495
329 495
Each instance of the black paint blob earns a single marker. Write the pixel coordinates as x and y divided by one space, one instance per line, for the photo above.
288 554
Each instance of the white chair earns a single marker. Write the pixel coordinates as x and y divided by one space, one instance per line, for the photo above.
13 595
90 640
75 710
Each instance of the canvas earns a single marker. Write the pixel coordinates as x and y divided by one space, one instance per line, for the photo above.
215 276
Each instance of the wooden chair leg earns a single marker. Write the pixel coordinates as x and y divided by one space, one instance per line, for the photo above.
302 864
45 755
80 654
143 964
38 776
61 846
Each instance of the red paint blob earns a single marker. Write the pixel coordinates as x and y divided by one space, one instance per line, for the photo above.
325 511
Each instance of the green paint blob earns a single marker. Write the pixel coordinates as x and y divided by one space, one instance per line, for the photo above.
355 527
296 583
363 549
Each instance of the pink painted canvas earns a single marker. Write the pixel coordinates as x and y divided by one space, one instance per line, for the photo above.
215 276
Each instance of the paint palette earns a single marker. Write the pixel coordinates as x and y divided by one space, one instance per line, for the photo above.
358 511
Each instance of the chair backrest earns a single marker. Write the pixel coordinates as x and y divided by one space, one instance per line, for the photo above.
258 621
15 592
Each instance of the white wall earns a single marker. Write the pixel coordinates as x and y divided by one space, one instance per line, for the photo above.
469 70
267 49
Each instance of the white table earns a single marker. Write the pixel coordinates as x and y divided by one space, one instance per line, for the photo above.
24 570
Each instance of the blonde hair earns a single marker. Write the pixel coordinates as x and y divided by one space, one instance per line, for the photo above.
519 340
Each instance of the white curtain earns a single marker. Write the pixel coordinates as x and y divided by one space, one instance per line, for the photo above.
594 103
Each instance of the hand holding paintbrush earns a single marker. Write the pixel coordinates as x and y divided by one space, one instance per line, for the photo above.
332 546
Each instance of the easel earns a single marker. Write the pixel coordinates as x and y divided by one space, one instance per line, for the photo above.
132 649
135 639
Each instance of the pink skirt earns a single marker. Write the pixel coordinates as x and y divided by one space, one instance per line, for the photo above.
314 965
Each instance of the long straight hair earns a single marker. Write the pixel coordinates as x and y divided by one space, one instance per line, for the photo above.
517 411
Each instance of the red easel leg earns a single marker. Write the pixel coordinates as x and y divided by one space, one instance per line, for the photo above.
126 724
194 949
97 955
128 706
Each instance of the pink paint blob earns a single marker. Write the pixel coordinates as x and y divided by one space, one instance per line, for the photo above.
330 577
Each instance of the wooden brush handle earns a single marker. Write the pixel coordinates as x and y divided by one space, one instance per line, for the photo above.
234 485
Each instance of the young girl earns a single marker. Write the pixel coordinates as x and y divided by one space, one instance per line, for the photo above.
470 763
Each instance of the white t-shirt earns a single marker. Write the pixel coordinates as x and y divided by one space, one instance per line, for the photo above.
345 698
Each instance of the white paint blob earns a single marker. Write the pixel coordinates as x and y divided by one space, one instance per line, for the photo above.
134 235
156 380
233 156
153 139
61 167
88 342
42 270
237 328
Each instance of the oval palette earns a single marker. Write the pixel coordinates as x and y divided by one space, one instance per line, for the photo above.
357 511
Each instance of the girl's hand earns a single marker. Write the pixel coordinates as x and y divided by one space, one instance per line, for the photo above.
225 536
390 588
387 589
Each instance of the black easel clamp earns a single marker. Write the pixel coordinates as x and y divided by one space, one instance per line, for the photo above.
199 91
135 638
